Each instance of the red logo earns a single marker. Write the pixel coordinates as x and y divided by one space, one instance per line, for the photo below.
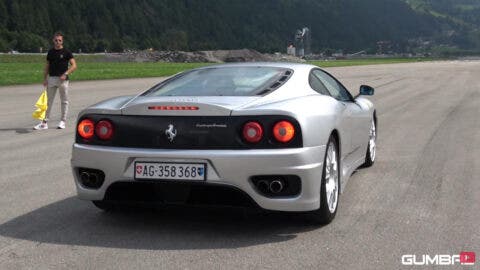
139 169
467 258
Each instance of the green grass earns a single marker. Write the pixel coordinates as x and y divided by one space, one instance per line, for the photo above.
24 72
28 69
371 61
40 58
96 71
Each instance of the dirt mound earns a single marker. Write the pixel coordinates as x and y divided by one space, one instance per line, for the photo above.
244 55
218 56
157 56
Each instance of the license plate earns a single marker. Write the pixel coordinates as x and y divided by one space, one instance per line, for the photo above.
170 171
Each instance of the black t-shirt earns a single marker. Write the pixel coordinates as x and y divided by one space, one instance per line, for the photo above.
58 61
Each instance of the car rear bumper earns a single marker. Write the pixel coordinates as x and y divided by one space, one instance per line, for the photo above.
232 168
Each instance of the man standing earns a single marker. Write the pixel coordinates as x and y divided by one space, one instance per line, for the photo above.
56 74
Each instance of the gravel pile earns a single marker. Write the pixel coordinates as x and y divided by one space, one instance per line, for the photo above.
218 56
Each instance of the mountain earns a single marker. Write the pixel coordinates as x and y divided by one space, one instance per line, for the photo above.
267 25
459 12
460 21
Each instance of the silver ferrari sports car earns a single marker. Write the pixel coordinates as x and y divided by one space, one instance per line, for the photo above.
277 136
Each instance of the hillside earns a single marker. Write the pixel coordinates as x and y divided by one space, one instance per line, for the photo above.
461 12
266 26
460 20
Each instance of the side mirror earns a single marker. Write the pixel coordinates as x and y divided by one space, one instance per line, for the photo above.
366 90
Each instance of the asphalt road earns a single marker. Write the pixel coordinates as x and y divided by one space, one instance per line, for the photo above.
422 196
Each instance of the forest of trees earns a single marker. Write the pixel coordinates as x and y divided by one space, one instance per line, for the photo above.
266 25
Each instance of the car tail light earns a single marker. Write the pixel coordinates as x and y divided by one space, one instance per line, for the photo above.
283 131
174 108
104 130
86 128
252 132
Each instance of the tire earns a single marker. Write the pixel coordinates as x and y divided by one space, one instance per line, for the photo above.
105 206
330 185
372 146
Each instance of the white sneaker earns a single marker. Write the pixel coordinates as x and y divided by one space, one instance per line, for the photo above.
61 125
41 126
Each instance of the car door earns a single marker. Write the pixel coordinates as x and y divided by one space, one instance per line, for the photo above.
352 116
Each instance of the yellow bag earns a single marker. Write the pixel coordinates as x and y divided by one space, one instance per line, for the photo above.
41 105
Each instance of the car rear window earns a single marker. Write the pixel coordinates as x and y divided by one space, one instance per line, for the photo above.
223 81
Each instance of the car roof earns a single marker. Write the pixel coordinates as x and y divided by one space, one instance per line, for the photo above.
294 66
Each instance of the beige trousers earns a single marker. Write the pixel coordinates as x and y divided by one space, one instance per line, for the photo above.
55 83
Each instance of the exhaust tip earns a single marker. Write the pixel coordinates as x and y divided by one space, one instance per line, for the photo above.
263 186
94 177
84 176
276 186
91 178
